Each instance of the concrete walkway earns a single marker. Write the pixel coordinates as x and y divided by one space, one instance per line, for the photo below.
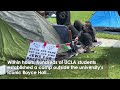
109 42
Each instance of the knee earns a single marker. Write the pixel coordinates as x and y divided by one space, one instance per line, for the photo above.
70 27
78 25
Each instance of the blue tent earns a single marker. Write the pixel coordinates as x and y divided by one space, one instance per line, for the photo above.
106 19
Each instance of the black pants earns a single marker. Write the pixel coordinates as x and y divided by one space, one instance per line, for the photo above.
77 27
74 31
92 35
85 38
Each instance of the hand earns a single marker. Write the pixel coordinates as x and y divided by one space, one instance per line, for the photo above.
76 39
76 42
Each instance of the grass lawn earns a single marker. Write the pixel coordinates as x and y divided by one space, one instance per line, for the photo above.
111 71
104 56
108 36
76 15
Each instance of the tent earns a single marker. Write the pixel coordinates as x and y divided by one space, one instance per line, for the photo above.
106 20
18 27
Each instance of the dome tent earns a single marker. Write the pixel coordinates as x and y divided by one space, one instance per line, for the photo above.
12 45
16 27
106 20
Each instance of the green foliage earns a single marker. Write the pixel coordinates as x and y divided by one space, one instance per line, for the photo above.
108 36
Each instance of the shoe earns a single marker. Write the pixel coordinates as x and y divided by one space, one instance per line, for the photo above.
95 40
89 51
81 50
71 56
92 51
74 54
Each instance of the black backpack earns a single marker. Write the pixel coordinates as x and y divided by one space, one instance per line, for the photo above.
63 17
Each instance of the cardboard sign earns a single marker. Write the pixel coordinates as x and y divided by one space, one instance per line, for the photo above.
41 52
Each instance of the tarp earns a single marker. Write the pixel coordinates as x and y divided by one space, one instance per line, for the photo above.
105 19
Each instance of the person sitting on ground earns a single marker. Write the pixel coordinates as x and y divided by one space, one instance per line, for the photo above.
80 34
92 31
85 38
63 18
78 27
75 28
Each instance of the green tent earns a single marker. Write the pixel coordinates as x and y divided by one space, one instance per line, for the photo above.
13 45
17 27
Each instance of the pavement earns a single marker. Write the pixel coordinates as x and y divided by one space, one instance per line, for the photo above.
109 42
